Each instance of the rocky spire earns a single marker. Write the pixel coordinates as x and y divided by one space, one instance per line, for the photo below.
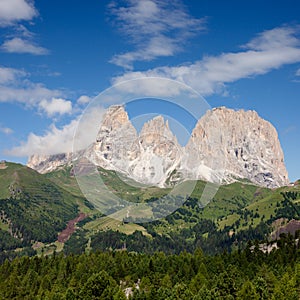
225 145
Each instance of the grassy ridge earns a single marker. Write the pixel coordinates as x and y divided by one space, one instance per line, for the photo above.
38 206
229 205
33 207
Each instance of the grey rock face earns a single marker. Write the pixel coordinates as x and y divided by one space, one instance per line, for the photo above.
235 144
147 158
158 153
115 143
224 146
47 163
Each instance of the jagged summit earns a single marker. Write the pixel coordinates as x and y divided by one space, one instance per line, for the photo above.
225 145
115 117
237 144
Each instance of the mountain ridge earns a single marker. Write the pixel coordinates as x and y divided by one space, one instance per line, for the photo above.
240 208
224 146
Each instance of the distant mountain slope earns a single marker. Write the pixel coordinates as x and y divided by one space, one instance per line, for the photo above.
35 208
240 211
32 208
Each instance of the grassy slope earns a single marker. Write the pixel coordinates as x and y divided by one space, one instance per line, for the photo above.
8 176
128 190
228 205
105 223
62 178
35 205
225 209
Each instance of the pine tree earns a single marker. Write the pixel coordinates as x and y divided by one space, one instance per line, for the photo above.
247 292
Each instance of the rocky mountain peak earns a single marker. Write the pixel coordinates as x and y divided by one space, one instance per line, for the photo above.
157 124
115 140
225 145
156 131
48 163
159 153
243 144
114 118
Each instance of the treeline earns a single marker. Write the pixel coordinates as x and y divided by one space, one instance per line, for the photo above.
35 216
201 233
204 235
243 274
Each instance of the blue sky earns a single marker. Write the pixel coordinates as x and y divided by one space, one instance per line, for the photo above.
57 55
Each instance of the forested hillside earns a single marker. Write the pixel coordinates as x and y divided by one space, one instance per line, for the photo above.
247 274
40 214
32 209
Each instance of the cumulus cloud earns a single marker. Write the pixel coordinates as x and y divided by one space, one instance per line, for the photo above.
16 10
270 50
6 130
56 106
15 87
83 99
298 72
19 45
8 75
136 85
61 140
155 28
54 141
275 38
12 12
30 94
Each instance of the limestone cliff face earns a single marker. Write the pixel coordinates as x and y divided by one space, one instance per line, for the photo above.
224 146
48 163
158 153
228 144
115 143
148 158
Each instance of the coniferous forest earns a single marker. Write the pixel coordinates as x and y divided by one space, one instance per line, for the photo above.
216 251
242 274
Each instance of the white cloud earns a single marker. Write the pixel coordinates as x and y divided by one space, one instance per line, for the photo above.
6 130
298 72
156 28
15 87
29 94
146 86
275 38
8 75
56 106
22 31
16 10
19 45
272 49
54 141
12 12
83 99
60 140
